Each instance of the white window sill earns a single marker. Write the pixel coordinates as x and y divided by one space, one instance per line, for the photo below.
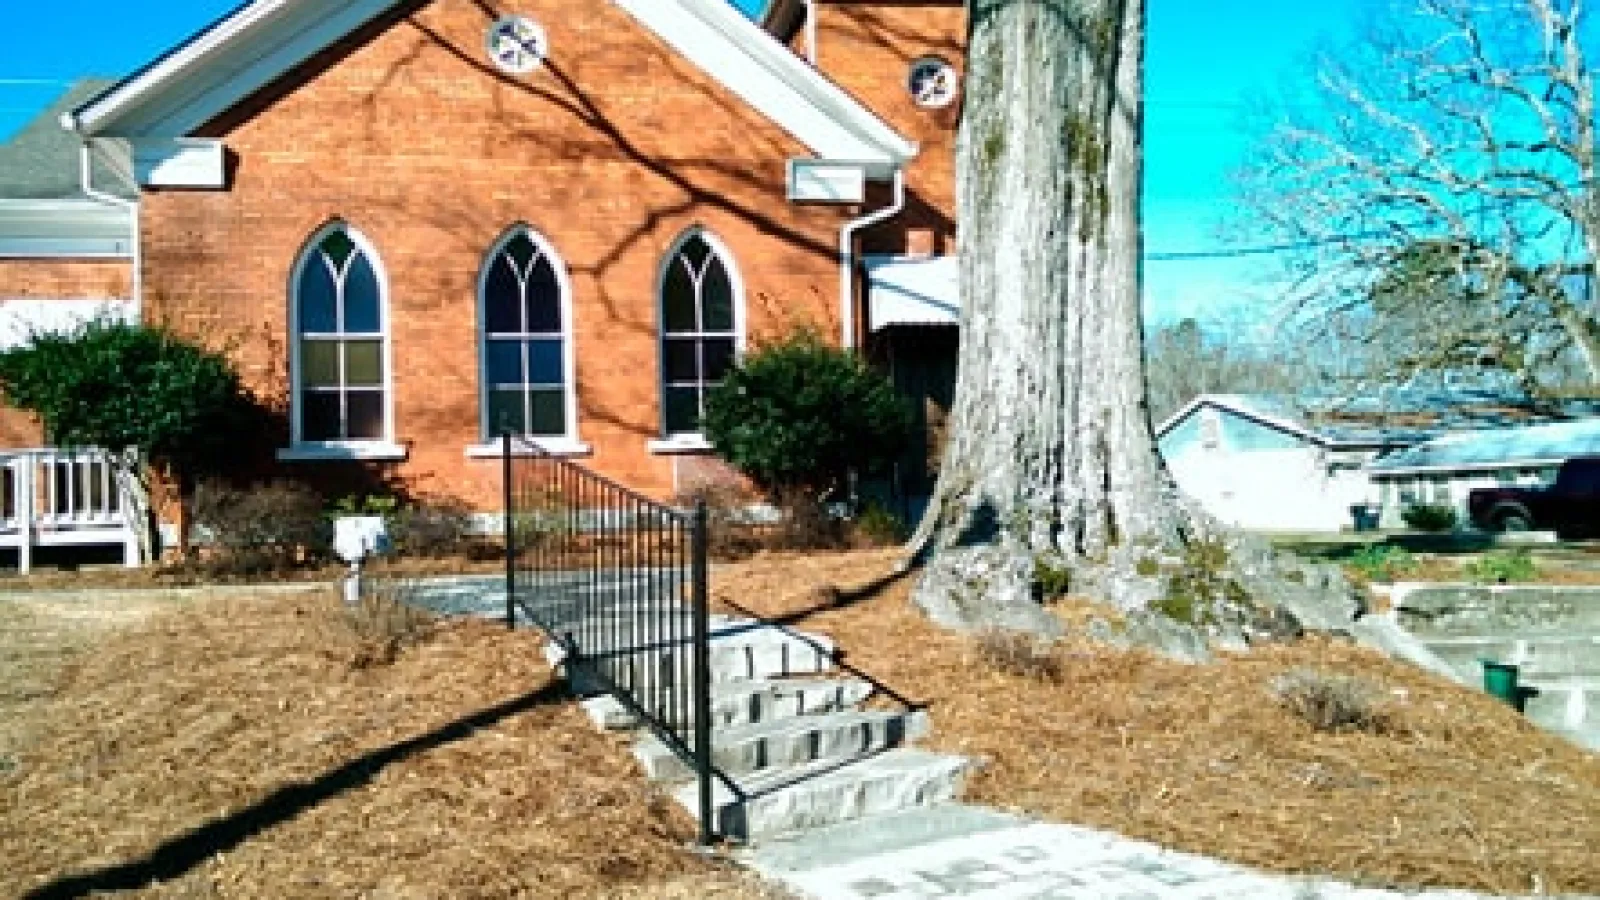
532 447
365 450
680 443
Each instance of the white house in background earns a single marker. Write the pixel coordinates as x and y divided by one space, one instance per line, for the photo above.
1446 469
1257 463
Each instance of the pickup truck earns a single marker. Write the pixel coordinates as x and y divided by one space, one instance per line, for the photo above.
1570 504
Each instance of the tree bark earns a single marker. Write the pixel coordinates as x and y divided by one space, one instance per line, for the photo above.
1051 455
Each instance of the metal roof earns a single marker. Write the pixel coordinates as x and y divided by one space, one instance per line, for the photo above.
1551 442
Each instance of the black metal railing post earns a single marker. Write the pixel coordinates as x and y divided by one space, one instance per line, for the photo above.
621 583
510 527
702 668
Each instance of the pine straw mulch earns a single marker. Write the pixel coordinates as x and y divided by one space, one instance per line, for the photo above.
256 748
1459 791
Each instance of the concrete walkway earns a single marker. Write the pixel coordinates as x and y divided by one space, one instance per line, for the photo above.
969 852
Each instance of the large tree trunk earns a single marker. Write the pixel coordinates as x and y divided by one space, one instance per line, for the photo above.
1051 452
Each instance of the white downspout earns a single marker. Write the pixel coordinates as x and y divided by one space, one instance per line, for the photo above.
86 181
847 258
811 31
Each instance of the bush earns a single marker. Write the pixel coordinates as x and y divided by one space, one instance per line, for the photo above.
1329 702
1381 562
878 526
730 533
1429 516
433 529
385 620
261 529
800 416
1019 654
1501 567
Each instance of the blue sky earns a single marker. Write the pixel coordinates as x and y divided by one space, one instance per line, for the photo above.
1206 60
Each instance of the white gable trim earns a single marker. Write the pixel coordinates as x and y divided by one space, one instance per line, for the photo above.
262 40
1222 403
221 66
774 81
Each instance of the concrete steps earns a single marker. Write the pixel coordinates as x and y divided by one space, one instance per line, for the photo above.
785 802
745 702
795 749
786 743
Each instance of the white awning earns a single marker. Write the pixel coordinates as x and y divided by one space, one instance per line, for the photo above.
912 291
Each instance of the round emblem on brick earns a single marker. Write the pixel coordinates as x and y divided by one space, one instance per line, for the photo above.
517 45
933 83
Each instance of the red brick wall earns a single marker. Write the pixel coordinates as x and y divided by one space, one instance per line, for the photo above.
75 278
868 48
611 151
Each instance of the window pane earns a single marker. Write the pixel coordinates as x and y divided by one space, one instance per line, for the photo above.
319 416
544 298
716 293
502 297
683 410
679 360
521 249
696 250
678 299
319 363
363 363
361 310
719 358
549 413
338 246
504 363
366 415
545 363
316 296
505 412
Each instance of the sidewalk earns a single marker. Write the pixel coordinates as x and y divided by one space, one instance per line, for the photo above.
1004 857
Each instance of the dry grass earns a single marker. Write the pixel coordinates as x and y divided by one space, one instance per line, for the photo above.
1462 792
243 748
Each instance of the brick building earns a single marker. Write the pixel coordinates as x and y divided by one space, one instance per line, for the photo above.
418 224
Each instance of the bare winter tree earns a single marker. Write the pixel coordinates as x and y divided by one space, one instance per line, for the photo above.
1440 180
1221 356
1051 464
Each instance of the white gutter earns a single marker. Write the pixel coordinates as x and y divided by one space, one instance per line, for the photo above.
847 258
86 181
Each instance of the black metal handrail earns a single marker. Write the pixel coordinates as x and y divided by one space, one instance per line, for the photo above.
620 583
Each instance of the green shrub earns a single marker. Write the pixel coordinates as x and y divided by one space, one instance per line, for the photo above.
1429 516
1381 562
1501 567
801 415
878 526
121 387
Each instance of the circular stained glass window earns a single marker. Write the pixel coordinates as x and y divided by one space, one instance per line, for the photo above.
933 83
517 45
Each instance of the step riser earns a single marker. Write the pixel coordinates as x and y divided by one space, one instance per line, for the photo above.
799 809
739 709
730 660
801 747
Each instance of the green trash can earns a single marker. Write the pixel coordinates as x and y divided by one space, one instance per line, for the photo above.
1500 680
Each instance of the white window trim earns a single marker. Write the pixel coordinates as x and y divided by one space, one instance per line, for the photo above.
690 441
563 444
299 449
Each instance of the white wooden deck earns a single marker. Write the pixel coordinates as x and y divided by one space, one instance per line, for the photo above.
62 498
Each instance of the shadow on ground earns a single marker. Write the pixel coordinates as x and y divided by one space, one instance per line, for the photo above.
182 853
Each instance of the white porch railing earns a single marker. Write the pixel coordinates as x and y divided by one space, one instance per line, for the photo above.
62 498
